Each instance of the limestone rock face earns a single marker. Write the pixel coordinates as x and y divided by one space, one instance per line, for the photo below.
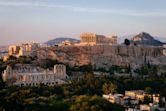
105 55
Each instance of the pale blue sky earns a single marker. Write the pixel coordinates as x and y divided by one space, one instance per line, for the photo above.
42 20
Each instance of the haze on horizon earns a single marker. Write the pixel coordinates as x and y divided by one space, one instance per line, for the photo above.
42 20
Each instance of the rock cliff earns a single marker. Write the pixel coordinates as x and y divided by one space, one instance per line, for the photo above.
105 56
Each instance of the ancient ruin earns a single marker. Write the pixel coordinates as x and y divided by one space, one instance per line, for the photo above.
24 75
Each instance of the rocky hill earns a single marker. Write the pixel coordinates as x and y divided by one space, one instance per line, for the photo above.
105 56
58 40
146 39
121 38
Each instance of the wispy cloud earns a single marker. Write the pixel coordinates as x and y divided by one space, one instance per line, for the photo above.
32 4
126 12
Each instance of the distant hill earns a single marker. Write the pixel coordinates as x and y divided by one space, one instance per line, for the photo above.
58 40
3 48
162 39
3 51
146 39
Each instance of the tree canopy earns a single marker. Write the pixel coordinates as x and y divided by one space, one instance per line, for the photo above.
127 42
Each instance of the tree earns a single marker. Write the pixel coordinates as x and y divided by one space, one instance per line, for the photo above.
83 68
126 42
93 103
148 90
47 63
12 58
109 88
2 68
24 60
147 100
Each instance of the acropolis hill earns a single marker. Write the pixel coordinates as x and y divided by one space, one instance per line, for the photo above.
104 56
102 52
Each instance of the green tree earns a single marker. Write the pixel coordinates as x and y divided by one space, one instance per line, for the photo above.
126 42
148 90
109 88
147 100
12 58
93 103
24 60
47 63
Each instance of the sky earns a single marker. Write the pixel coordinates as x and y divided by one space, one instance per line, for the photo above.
42 20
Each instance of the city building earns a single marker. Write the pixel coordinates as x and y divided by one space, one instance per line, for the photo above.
5 58
26 49
128 101
151 107
27 75
67 43
13 50
145 107
121 100
114 98
94 39
132 109
156 98
131 101
164 49
136 94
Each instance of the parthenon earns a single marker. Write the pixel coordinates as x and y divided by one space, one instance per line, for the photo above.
94 39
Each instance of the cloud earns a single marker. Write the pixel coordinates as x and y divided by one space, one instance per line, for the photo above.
32 4
125 12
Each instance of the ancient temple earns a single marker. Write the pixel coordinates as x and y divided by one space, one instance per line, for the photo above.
94 39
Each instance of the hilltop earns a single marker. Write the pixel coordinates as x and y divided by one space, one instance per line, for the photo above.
146 39
59 40
150 40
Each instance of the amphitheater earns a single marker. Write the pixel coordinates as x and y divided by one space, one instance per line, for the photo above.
29 75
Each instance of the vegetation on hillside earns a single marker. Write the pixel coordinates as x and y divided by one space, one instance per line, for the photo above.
80 94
